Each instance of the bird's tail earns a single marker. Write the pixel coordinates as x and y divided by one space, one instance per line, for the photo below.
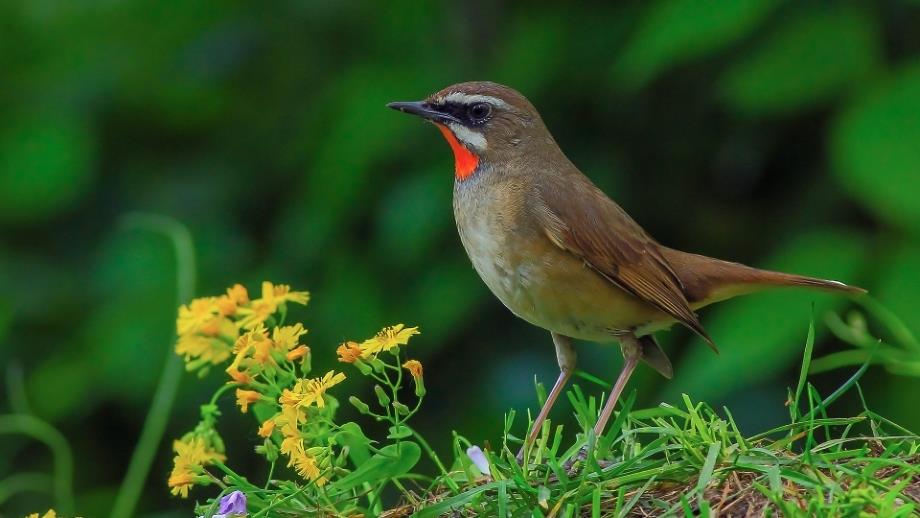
707 280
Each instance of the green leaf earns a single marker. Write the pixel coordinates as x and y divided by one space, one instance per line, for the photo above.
543 496
399 432
813 56
763 333
263 411
874 149
674 31
352 437
46 163
803 372
392 461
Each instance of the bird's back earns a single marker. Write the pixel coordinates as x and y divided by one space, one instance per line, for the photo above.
562 255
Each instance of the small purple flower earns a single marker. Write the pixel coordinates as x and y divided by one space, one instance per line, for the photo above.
233 504
479 459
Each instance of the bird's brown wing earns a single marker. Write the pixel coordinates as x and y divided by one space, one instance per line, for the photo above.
579 218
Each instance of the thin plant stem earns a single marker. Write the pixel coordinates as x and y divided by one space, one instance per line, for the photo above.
434 457
15 386
168 385
221 391
24 482
60 450
271 473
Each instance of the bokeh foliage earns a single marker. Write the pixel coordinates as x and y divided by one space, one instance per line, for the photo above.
778 133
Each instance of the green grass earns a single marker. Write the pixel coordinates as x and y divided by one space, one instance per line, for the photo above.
691 460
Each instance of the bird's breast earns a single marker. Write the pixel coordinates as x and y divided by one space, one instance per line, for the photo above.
535 279
489 222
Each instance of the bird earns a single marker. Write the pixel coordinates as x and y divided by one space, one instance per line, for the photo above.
563 256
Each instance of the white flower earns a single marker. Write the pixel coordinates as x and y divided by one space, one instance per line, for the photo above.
479 459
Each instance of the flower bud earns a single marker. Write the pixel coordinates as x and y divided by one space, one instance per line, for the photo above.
400 408
360 405
376 364
268 449
420 387
306 364
382 397
363 367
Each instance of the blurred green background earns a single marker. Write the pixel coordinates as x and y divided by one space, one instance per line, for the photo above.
782 134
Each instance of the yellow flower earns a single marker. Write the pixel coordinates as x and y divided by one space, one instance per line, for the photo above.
267 428
192 454
387 339
181 480
272 297
244 398
299 352
226 306
281 293
309 391
203 333
256 314
302 460
195 315
212 327
288 337
238 294
414 367
235 297
256 344
49 514
349 352
238 377
289 420
194 346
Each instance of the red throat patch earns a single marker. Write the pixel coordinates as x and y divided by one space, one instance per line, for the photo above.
465 161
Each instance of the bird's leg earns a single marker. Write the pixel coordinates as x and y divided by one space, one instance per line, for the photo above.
632 353
565 355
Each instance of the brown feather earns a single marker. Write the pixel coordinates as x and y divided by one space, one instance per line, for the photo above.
598 231
707 280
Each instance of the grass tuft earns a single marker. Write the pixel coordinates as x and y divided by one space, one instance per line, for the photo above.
693 461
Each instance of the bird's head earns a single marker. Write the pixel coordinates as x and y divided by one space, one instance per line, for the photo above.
483 122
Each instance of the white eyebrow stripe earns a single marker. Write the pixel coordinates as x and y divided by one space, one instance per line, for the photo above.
468 136
462 98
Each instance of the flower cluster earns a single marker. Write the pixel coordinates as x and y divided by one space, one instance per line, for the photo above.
193 453
268 370
387 339
365 355
209 327
210 331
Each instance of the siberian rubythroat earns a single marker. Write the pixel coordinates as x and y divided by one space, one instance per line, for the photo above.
562 255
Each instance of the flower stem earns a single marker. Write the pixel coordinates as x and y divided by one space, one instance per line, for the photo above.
221 391
434 457
168 386
271 472
60 450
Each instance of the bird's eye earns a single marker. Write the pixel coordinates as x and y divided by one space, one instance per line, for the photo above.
480 111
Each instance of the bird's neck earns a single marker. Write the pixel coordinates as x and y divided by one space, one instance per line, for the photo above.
465 161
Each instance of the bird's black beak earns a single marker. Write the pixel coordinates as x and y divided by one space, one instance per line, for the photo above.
424 110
